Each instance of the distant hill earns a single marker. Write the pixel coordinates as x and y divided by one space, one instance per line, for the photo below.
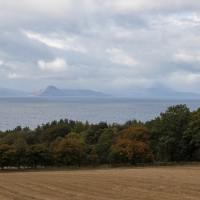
154 92
53 91
163 92
86 93
49 91
4 92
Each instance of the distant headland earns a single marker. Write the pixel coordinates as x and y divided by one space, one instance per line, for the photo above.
158 92
52 91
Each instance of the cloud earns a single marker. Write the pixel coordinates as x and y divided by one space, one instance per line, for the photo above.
14 75
102 44
183 57
120 57
1 62
149 7
193 78
186 57
58 65
54 40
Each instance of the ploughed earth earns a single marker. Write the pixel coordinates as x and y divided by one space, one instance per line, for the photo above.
150 183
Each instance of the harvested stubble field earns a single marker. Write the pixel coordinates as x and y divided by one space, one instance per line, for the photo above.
174 183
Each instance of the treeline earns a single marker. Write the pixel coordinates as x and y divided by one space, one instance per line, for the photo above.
173 136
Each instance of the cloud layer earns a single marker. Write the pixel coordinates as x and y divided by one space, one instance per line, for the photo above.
111 46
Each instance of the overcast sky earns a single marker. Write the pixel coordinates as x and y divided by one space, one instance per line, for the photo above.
112 46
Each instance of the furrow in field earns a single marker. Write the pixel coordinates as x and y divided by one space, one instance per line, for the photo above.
165 183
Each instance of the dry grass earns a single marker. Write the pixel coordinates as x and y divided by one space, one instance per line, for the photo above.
174 183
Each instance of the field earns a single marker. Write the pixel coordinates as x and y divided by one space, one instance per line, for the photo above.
174 183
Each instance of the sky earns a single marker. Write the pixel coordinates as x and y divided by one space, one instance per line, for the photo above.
111 46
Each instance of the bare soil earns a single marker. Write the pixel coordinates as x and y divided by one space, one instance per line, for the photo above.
174 183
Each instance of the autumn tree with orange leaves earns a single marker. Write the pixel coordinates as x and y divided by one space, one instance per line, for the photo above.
131 146
69 151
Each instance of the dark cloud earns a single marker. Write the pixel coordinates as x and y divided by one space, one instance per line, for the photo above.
15 46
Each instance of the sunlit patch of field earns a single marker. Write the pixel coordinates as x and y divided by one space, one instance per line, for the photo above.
174 183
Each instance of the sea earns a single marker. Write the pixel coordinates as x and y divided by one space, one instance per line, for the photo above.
33 111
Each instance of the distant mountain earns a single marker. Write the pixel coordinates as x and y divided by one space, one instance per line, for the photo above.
49 91
163 92
53 91
4 92
83 93
154 92
166 92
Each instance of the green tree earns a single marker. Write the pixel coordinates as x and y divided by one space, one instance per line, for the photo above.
191 137
92 156
20 147
79 127
39 154
2 135
58 130
114 157
7 155
104 143
73 135
173 124
94 132
154 131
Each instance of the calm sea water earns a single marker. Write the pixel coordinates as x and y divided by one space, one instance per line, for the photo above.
30 111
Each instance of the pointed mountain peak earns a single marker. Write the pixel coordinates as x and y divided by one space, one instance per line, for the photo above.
49 91
51 87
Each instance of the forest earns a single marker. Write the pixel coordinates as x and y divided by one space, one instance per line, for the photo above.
173 136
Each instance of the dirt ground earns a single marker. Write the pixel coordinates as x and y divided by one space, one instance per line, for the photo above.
174 183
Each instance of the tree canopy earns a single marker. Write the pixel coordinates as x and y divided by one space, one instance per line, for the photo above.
172 136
